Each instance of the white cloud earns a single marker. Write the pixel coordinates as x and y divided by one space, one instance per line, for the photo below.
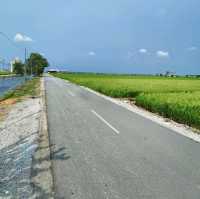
162 54
92 53
143 51
192 48
22 38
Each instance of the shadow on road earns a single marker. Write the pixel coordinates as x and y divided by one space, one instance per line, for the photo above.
41 166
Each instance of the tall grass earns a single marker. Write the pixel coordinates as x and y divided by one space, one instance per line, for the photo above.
181 107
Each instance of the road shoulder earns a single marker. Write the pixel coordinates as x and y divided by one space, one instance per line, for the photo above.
25 166
42 178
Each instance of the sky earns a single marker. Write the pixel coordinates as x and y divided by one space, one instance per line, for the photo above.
112 36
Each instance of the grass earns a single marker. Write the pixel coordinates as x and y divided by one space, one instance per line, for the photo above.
29 89
181 107
175 98
4 73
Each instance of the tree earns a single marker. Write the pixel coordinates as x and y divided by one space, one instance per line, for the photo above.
18 68
36 64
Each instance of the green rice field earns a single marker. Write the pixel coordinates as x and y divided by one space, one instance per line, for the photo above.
177 98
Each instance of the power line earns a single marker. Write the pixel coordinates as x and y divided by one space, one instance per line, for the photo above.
13 44
10 41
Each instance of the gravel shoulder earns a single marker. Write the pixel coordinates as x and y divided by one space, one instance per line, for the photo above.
25 168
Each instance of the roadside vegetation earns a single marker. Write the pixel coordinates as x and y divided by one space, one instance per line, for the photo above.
34 65
182 107
4 73
177 98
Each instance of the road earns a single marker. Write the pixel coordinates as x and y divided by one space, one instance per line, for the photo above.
103 151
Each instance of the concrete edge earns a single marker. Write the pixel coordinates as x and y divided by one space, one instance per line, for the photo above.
181 129
42 168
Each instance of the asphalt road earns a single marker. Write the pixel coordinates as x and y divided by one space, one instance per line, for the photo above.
103 151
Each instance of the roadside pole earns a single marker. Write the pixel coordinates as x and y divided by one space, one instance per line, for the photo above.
25 64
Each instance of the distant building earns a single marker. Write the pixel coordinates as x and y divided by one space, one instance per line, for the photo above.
170 74
53 70
15 60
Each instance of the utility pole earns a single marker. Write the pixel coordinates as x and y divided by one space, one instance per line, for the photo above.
31 65
25 62
2 62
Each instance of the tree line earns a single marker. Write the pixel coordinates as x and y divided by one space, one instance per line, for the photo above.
34 65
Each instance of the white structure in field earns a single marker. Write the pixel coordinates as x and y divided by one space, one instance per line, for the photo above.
53 70
15 60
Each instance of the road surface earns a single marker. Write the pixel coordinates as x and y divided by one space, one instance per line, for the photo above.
103 151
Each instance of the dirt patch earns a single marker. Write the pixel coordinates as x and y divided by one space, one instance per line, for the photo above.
29 90
5 107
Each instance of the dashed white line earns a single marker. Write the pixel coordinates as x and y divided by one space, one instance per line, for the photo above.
107 123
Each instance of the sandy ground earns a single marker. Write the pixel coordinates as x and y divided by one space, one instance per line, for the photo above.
5 107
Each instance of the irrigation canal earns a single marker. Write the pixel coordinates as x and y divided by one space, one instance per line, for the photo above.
10 83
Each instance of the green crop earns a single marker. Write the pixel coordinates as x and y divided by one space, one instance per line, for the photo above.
181 107
131 86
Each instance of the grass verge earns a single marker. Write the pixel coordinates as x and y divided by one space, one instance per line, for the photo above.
5 73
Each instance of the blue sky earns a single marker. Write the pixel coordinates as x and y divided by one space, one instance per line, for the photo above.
123 36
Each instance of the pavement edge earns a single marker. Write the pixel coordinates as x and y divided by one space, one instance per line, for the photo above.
42 175
181 129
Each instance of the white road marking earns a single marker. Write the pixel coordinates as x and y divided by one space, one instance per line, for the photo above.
175 127
103 120
72 94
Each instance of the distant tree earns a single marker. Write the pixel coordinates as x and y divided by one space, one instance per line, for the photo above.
36 64
18 68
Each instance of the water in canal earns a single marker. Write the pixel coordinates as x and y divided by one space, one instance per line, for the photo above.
9 83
